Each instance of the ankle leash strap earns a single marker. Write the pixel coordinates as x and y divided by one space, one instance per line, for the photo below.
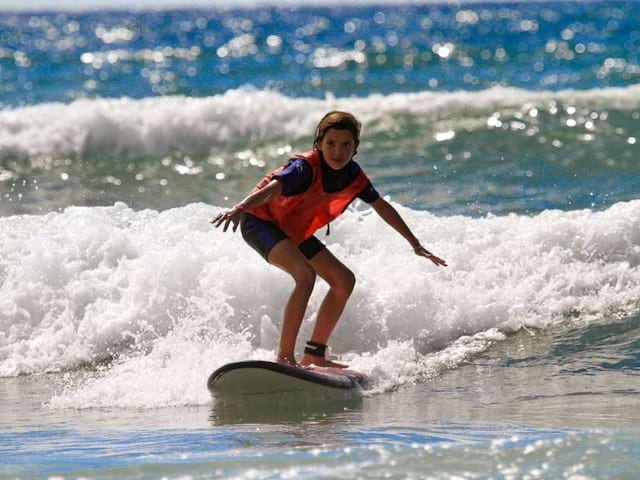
315 349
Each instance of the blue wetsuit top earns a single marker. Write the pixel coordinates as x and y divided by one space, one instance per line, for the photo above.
297 175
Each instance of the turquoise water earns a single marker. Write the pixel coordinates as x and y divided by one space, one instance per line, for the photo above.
504 133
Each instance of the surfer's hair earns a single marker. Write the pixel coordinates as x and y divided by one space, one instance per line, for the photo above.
340 121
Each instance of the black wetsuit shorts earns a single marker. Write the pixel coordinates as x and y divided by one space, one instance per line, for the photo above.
262 236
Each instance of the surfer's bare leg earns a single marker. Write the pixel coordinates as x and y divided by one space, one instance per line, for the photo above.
286 256
341 281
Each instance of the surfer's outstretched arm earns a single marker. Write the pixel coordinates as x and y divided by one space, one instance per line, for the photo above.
255 198
393 218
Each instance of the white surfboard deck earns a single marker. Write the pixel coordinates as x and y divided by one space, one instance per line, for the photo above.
256 377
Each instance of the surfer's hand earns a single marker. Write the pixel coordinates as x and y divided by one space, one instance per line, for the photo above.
230 216
423 252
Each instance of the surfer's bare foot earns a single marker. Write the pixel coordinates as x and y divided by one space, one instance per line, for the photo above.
309 360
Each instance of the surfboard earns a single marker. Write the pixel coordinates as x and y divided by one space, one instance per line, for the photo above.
257 377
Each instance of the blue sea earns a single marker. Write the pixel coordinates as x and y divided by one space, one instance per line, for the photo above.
506 134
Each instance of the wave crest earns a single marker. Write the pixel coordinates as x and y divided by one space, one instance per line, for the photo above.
160 125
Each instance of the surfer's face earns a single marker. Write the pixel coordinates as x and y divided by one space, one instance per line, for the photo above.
337 147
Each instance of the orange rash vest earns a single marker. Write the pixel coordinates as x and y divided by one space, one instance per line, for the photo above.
299 216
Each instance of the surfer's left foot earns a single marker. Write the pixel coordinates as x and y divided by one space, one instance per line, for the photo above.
314 355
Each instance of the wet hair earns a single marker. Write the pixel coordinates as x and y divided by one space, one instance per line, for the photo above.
340 121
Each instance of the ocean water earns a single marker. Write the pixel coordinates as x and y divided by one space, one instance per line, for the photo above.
506 135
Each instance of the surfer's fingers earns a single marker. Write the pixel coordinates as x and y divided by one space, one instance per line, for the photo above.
438 261
215 219
227 220
231 217
218 220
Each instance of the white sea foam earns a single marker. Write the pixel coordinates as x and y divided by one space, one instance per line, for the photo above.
159 125
168 299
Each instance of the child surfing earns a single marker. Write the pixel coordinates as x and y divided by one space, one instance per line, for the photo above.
280 215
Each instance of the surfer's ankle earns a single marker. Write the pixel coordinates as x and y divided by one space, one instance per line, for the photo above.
315 349
314 354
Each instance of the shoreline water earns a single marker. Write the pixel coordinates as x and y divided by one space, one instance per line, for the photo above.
472 421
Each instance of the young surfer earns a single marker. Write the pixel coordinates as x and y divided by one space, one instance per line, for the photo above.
279 216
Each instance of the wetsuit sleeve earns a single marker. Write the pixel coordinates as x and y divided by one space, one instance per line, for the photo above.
295 177
369 194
